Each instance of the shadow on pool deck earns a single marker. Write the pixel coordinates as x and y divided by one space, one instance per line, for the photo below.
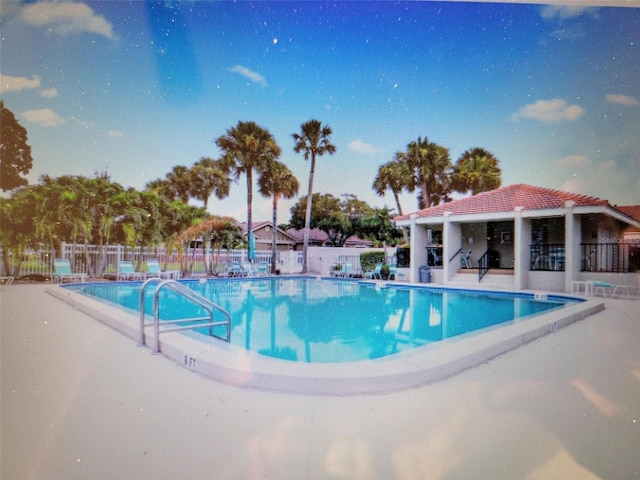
80 401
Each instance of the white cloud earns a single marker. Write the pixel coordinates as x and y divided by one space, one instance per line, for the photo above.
550 111
359 146
575 185
573 161
44 117
115 133
250 74
565 11
14 84
82 123
624 100
65 18
48 93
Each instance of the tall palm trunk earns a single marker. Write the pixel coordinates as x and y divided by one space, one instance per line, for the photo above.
405 236
307 216
274 237
249 202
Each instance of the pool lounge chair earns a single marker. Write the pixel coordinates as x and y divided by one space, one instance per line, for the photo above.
375 273
611 288
346 270
236 270
62 271
393 272
154 270
126 271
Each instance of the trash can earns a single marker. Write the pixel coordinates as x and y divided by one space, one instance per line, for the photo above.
425 274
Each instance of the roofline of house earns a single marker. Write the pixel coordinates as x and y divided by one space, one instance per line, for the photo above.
606 209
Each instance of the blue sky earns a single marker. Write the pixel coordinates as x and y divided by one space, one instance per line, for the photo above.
138 87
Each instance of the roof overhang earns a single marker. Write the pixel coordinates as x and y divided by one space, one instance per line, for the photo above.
510 215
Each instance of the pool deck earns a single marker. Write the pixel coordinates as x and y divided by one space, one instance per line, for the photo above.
80 400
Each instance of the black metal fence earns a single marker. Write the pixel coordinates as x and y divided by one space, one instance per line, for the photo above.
623 257
547 257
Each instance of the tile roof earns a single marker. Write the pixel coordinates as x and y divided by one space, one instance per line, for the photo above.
506 199
632 211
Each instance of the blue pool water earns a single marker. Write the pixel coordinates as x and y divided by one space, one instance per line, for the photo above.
327 321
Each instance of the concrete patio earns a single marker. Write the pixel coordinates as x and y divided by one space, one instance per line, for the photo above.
81 401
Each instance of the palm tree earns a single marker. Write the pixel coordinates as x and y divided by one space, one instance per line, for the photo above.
179 182
247 147
277 181
431 164
476 170
215 231
209 176
313 140
394 175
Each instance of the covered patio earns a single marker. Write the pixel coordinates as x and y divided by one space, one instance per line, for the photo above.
523 237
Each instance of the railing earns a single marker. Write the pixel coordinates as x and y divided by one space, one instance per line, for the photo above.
623 257
194 322
483 265
356 267
455 255
547 257
102 261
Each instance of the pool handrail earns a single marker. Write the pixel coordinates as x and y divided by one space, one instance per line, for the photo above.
203 302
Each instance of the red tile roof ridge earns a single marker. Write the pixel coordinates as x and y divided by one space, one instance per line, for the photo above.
506 199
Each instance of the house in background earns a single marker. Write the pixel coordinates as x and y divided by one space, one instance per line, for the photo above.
263 234
319 238
524 237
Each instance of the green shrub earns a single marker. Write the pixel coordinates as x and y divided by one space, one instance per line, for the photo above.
369 260
384 272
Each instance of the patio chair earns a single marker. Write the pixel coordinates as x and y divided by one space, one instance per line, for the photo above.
375 273
263 269
236 270
393 272
346 270
62 271
612 288
126 271
154 270
465 260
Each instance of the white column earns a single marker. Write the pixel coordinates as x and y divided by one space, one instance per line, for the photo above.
413 252
572 230
521 237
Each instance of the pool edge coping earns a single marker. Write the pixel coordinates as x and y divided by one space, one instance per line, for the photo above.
235 366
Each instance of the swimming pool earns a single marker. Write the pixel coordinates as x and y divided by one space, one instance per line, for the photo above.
408 368
333 321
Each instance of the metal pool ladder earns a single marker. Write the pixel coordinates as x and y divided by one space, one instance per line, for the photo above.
194 322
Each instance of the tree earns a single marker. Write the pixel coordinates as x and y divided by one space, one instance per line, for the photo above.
395 175
339 219
176 185
431 167
476 171
312 141
247 147
15 152
219 232
208 177
379 227
277 181
18 227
